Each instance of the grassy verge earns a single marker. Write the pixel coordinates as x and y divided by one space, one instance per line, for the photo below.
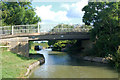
15 66
0 64
32 51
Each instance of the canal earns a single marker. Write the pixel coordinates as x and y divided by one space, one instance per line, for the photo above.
61 65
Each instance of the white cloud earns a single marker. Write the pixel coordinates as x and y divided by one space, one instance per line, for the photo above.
66 6
72 13
75 10
47 14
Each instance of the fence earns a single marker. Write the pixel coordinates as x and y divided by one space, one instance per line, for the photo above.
70 30
6 30
51 28
19 29
42 28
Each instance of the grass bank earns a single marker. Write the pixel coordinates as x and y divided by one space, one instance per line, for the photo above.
15 66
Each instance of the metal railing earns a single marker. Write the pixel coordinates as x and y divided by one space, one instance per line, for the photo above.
36 28
70 30
19 29
6 30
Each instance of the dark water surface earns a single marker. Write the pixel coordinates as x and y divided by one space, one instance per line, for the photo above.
61 65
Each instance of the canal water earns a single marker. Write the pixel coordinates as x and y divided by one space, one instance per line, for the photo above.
61 65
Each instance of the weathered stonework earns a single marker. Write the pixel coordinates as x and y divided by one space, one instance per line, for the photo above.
17 45
32 66
95 59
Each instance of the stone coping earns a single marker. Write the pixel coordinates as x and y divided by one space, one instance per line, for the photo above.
95 59
32 66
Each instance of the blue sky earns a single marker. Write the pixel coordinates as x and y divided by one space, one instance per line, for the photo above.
60 12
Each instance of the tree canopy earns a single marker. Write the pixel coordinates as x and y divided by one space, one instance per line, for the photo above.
58 45
62 27
17 13
105 17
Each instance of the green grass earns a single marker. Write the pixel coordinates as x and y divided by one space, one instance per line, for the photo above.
32 51
14 66
0 64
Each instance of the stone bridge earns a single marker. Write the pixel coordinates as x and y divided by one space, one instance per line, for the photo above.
19 43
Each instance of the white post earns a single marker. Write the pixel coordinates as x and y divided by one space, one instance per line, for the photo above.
38 28
62 28
12 30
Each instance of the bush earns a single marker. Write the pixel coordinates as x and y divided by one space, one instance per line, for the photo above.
58 45
75 48
116 59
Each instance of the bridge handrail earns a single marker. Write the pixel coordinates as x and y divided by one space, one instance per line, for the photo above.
4 26
17 29
70 29
35 28
25 25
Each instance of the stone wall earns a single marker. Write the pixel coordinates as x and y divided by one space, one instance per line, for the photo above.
17 45
32 66
95 59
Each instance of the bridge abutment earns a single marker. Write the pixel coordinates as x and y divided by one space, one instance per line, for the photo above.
86 45
17 45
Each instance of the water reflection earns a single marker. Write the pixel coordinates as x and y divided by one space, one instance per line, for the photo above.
61 65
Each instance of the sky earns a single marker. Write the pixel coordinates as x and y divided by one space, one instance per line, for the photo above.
66 12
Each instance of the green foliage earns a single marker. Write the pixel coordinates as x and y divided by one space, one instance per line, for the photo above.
116 59
63 26
104 17
16 13
71 46
60 26
30 44
75 47
87 27
106 45
60 44
51 42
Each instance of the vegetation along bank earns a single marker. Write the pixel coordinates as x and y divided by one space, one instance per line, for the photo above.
16 66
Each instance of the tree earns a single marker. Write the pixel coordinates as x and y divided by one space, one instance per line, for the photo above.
17 13
58 45
104 16
62 28
83 28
